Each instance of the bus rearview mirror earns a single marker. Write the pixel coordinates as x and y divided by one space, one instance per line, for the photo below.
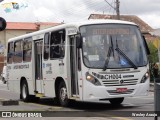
3 24
78 42
146 46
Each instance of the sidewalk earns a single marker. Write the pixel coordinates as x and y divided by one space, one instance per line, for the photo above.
151 89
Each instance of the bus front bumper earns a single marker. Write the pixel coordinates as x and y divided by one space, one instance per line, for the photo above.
100 93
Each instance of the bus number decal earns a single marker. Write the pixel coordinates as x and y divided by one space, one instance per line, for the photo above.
49 66
21 66
113 76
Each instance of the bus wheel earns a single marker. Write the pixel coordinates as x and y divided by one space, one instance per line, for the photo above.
62 95
116 101
24 92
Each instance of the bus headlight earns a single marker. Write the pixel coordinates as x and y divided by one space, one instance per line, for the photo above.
92 79
145 77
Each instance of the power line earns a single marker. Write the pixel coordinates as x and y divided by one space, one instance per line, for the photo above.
71 12
77 11
60 15
110 5
115 8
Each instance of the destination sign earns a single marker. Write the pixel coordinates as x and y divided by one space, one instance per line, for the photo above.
111 31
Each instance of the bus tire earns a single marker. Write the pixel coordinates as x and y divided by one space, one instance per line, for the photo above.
116 101
62 95
24 92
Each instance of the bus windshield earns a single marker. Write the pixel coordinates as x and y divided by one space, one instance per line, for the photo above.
113 46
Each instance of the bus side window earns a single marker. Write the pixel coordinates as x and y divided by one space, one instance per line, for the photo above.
57 44
27 50
18 51
46 46
10 53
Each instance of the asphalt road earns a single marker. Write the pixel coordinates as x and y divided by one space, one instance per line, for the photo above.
129 108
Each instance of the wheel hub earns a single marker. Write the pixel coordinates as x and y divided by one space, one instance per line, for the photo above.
24 94
63 93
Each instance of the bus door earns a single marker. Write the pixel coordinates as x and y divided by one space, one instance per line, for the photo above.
38 67
74 67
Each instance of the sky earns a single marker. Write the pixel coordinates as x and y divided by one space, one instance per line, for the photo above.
79 10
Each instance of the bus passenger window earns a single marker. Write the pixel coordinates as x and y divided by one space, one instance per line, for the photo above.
10 53
57 44
18 51
46 46
27 51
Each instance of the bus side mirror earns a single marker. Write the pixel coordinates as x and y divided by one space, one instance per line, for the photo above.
78 42
3 24
146 46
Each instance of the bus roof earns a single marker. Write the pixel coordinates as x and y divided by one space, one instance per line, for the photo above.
102 21
74 24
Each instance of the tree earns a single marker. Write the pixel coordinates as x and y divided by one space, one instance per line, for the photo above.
153 57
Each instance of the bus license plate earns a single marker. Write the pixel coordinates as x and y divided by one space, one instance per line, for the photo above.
121 89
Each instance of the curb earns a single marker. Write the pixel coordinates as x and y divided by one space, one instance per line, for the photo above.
151 87
4 102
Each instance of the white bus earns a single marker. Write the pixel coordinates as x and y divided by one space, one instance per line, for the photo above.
91 61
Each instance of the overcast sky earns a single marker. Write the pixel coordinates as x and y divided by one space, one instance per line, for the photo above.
78 10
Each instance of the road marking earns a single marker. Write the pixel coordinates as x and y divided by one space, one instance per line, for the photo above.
39 104
121 118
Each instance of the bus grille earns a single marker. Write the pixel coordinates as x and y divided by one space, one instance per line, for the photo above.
119 83
114 92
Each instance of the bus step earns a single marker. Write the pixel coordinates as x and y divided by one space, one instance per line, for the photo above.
39 95
74 97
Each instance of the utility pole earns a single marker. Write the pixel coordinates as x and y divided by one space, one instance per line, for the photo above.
117 9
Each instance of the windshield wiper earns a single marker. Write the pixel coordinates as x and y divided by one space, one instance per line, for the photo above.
108 55
125 56
107 59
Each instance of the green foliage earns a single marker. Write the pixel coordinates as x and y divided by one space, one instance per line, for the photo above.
153 57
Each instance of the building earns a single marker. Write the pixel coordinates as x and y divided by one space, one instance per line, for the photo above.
14 29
